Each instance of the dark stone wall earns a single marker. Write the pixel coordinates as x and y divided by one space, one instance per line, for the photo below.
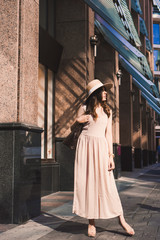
65 158
20 167
6 176
50 177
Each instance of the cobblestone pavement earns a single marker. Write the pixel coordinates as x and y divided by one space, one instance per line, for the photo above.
140 196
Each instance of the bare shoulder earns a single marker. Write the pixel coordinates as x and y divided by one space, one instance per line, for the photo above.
81 110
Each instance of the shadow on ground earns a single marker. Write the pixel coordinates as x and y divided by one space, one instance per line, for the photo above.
148 207
77 225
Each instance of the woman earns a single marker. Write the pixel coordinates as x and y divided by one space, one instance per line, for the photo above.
95 192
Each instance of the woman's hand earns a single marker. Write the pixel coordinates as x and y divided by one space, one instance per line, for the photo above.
83 118
111 164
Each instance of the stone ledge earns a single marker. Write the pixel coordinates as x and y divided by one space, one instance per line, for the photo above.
20 126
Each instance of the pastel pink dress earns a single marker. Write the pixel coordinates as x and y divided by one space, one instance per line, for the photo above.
95 192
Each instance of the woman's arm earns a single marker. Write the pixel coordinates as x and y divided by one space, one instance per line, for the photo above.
111 164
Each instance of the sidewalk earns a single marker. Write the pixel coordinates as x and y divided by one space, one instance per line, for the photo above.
140 195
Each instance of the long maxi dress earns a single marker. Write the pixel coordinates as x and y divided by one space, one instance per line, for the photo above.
95 191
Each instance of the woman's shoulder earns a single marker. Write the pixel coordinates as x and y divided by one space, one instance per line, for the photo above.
81 110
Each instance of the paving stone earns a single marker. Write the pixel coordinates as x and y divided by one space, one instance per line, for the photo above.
154 220
158 232
150 231
56 235
106 235
6 227
138 235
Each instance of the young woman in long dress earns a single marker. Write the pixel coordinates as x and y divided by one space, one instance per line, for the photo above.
95 192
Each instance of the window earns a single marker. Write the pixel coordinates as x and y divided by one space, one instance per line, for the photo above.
46 15
46 111
156 33
46 81
156 60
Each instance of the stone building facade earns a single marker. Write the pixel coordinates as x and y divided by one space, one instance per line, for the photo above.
47 59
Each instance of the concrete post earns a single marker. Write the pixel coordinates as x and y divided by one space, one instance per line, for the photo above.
19 135
126 122
145 133
106 67
137 128
74 27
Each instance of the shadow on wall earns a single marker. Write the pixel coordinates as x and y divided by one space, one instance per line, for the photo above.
70 94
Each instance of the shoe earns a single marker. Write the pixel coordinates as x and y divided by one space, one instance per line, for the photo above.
91 231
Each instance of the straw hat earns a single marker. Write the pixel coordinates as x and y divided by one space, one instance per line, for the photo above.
95 84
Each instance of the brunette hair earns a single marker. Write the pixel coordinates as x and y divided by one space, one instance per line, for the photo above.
94 100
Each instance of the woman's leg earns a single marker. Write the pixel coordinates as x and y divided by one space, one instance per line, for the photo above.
91 228
91 222
126 226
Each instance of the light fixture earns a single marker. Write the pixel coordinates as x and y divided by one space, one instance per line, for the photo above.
133 95
119 76
158 64
94 42
141 106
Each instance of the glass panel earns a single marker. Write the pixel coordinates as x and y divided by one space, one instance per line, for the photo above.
136 6
156 60
50 115
46 15
41 103
143 28
156 33
148 45
43 14
51 17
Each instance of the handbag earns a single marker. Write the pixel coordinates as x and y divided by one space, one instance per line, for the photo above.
71 140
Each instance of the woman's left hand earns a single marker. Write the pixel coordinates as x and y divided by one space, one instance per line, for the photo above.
111 164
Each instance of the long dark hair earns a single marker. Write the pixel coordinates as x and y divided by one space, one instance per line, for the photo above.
93 102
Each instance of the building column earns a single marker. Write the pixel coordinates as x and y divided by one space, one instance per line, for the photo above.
19 134
137 128
154 138
74 27
126 122
145 134
129 4
150 135
106 67
152 158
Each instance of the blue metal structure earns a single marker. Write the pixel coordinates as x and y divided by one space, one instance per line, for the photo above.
117 14
147 84
152 104
146 92
129 52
